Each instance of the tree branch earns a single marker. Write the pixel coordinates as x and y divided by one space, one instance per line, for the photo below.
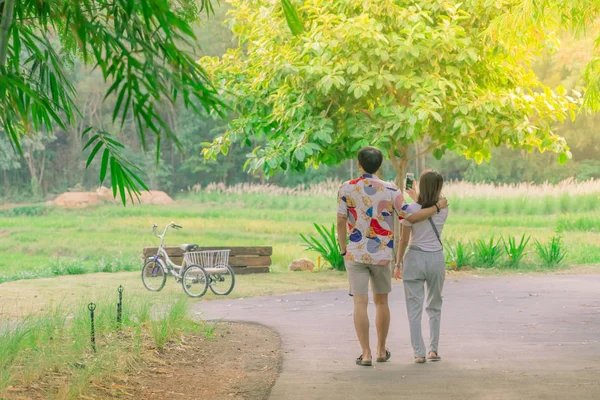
427 150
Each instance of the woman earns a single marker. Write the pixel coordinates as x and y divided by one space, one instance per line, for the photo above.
423 263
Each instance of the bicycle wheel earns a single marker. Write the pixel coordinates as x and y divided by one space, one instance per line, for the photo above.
222 280
154 276
195 281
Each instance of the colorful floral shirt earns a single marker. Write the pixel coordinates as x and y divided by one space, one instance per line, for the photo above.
369 204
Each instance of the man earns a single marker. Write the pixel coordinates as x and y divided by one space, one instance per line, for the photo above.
366 214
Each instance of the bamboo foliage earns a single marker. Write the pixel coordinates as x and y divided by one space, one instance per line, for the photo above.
141 48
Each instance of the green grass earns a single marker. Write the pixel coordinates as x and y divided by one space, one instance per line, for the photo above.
41 241
57 343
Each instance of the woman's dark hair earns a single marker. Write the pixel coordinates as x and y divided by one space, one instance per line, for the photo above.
430 188
370 159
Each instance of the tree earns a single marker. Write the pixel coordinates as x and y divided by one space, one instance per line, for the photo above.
332 77
542 21
141 47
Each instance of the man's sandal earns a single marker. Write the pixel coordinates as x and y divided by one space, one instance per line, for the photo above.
388 354
433 356
420 360
359 361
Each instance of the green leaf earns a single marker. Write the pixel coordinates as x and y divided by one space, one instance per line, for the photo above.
92 140
104 165
136 178
121 183
563 158
293 20
436 116
478 157
93 154
113 176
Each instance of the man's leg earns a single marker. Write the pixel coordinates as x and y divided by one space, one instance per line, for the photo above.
382 322
381 282
358 277
361 324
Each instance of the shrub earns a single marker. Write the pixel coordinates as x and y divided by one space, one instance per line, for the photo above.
25 211
487 254
326 245
64 266
582 224
460 255
118 265
552 254
75 269
515 252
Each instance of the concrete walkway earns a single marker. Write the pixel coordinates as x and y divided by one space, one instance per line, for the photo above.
502 338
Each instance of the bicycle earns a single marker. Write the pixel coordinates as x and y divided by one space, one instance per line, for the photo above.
216 264
194 278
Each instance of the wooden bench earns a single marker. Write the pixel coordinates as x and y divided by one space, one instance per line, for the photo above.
244 260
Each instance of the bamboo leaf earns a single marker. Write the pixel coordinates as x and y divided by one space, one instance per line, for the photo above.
93 154
104 165
92 140
113 176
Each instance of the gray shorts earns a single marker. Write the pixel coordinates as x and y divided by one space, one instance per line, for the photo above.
359 275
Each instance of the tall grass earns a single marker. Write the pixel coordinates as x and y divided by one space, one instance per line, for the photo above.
173 320
487 253
326 244
460 255
58 343
569 188
551 254
515 251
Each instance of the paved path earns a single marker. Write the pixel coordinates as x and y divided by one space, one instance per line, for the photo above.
502 338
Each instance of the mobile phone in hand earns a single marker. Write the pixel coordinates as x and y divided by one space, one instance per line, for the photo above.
410 180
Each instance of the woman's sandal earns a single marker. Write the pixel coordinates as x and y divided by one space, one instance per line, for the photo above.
359 361
420 360
388 354
433 356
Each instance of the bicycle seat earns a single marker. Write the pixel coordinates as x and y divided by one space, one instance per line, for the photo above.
189 247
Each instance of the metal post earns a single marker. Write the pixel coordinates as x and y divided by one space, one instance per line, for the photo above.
120 307
92 307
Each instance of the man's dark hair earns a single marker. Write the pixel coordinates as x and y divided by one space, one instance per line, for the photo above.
370 159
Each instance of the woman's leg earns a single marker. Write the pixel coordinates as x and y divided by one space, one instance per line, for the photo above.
414 290
436 275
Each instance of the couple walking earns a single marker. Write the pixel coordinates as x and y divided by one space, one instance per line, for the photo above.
367 207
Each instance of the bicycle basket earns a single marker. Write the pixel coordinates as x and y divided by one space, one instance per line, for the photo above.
208 258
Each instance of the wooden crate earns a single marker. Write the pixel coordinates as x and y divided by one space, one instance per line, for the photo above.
244 260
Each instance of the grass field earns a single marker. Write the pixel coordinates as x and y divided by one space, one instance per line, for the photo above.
38 241
49 355
43 241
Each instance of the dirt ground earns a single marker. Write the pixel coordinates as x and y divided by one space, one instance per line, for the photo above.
240 362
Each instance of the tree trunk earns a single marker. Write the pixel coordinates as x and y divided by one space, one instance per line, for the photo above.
400 165
417 166
7 17
31 166
41 178
6 182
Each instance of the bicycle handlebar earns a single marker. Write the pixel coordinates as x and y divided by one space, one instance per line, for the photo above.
172 224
